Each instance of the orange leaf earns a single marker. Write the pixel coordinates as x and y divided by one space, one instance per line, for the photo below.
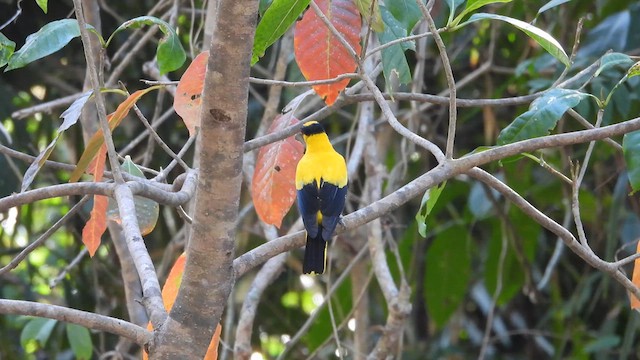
169 294
188 100
319 54
171 286
635 302
97 139
273 186
97 224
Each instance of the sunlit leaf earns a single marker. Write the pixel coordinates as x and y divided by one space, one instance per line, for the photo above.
43 5
97 139
273 185
80 341
394 62
188 100
169 294
634 70
49 39
551 4
473 5
70 116
447 273
551 45
542 116
37 164
278 18
429 199
319 54
371 15
38 329
170 54
97 224
6 49
613 59
147 210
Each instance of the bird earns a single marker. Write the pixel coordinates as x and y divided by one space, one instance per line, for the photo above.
321 184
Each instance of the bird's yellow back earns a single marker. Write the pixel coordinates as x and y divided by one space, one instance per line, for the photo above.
320 161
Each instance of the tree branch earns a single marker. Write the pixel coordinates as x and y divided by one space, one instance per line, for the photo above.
87 319
208 275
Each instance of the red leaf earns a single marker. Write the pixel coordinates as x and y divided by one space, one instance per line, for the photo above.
188 100
97 140
319 54
97 224
635 302
273 186
169 294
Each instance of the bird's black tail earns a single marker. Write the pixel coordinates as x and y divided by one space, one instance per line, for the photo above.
315 255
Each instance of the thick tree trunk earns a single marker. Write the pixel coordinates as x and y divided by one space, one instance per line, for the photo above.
208 275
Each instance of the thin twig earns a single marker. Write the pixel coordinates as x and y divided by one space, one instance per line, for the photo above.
98 96
54 282
451 83
494 299
158 139
327 297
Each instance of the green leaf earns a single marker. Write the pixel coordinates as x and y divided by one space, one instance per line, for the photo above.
38 329
6 49
170 54
602 344
634 70
394 62
42 4
453 5
551 4
80 341
551 45
513 276
406 12
147 210
474 5
263 6
447 273
375 19
276 21
613 59
542 116
49 39
429 199
631 150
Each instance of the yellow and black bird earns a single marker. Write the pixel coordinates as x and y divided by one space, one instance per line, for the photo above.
321 181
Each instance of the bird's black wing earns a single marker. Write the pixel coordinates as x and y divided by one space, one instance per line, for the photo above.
332 199
309 205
